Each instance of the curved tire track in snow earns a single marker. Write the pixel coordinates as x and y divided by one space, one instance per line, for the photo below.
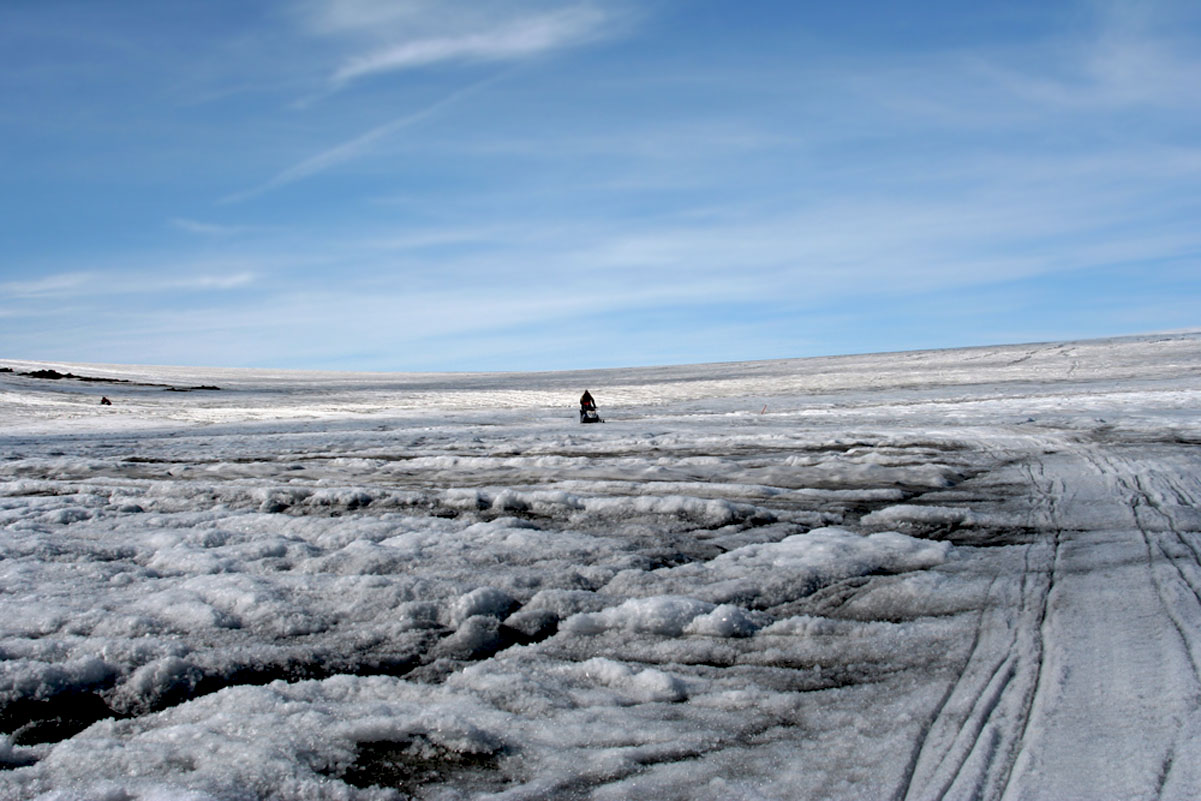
968 748
1101 640
1108 621
1170 571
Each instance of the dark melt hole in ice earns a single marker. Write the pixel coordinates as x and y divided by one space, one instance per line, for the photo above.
259 675
454 653
11 761
411 764
32 721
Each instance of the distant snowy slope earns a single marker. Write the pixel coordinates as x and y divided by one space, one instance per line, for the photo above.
257 394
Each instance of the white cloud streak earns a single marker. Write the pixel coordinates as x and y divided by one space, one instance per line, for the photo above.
512 40
107 283
49 286
234 281
210 229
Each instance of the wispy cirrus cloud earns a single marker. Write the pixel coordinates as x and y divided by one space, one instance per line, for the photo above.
1131 56
210 229
1115 71
389 37
506 40
384 37
48 286
229 281
63 286
357 146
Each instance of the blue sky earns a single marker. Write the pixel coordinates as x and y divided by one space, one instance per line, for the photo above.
528 185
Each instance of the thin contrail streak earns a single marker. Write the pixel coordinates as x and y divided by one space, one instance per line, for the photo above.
356 147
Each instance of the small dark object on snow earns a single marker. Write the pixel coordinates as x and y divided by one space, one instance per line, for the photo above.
588 412
105 402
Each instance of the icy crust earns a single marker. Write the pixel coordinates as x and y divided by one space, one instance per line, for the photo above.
178 601
543 724
768 574
881 586
232 745
179 604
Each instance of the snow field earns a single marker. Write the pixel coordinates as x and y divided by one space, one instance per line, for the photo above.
911 577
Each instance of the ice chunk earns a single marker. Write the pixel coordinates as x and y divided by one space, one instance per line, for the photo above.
644 686
726 620
666 616
482 601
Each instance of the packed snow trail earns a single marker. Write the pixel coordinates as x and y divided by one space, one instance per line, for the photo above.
957 574
1098 647
1123 634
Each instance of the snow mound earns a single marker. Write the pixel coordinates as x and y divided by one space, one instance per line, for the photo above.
641 686
667 616
909 515
837 551
487 601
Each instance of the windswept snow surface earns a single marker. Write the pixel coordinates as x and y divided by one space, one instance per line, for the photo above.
954 574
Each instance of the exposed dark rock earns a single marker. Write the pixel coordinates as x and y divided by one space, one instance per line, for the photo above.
55 375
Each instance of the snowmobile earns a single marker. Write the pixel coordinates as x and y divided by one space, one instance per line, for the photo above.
588 413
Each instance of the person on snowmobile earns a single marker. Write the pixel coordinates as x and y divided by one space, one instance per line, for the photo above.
588 409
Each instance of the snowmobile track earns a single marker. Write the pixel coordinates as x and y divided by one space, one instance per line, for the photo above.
973 738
